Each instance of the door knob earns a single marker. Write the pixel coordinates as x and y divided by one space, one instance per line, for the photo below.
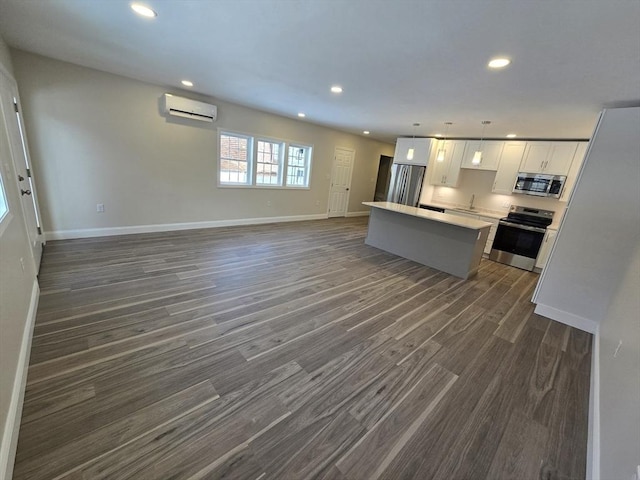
25 192
20 178
347 189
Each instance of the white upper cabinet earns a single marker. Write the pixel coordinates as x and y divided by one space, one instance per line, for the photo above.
413 151
508 168
553 158
447 172
491 151
574 170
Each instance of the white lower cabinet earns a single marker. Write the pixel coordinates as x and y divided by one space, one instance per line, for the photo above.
492 229
545 249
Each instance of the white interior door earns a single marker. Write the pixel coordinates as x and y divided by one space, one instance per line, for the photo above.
340 182
9 105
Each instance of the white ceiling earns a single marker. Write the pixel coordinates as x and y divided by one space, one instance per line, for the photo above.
399 61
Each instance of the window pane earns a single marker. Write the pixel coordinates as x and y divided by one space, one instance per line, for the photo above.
269 161
235 152
298 163
3 201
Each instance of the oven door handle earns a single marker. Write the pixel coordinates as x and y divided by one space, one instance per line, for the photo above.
523 227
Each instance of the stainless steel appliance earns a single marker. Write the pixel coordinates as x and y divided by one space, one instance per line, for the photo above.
519 236
539 184
406 184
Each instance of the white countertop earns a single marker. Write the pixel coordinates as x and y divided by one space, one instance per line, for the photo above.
456 220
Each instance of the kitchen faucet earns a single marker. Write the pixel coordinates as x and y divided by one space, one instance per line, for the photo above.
473 197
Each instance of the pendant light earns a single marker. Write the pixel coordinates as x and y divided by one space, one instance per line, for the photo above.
441 151
477 157
412 150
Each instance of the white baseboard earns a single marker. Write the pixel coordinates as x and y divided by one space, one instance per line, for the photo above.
364 213
567 318
12 425
169 227
593 443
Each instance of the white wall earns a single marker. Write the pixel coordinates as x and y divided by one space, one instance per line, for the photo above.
18 292
601 228
620 378
99 138
592 280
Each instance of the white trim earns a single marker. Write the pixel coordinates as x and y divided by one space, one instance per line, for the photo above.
169 227
12 425
593 442
363 213
567 318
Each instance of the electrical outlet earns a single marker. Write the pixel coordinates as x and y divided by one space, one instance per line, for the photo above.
317 203
22 263
268 203
100 208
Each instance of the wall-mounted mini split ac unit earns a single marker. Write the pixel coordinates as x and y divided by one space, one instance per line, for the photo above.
187 108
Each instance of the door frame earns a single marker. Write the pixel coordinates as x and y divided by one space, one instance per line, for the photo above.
333 169
17 161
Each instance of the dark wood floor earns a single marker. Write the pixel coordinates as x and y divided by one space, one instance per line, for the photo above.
294 351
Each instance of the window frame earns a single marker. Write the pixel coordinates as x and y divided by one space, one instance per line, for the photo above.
252 168
307 165
250 156
6 216
281 162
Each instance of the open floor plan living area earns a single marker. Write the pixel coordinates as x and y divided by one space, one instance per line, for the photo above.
319 240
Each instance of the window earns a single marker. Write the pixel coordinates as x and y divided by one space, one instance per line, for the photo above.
4 209
269 163
235 156
298 166
272 163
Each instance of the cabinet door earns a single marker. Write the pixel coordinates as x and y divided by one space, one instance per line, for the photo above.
535 156
453 169
491 151
545 248
574 170
560 157
447 171
508 168
492 232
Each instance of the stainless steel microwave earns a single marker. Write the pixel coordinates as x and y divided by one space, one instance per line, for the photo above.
539 184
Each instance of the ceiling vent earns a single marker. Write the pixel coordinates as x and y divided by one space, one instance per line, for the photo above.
187 108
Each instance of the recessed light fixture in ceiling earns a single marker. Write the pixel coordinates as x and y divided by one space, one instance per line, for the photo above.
336 89
512 135
366 132
143 10
302 115
499 62
187 83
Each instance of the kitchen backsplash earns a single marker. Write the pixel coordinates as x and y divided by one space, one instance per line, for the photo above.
479 183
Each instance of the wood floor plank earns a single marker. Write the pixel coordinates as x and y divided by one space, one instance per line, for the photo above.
293 350
370 457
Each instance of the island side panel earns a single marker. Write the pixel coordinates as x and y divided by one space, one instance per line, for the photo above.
450 248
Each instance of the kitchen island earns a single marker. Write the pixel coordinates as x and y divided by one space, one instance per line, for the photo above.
446 242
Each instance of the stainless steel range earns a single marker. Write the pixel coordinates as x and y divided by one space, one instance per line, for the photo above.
520 235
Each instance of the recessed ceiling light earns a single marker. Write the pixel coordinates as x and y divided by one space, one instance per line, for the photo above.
302 115
143 10
512 135
366 132
438 135
336 89
187 83
499 62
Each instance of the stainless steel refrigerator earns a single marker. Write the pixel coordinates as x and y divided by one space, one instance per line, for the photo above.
406 184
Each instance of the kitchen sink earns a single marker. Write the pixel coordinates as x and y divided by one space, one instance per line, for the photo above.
465 210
